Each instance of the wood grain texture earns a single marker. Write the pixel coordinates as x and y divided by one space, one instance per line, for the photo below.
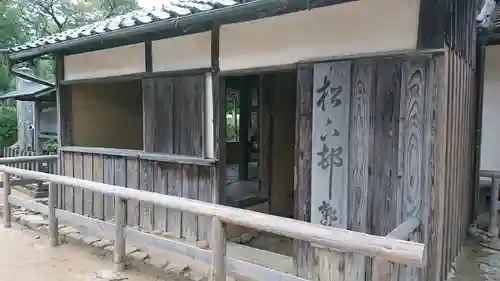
68 190
329 173
133 209
386 205
360 157
173 114
160 186
98 169
190 180
88 196
78 173
303 252
146 182
414 88
109 178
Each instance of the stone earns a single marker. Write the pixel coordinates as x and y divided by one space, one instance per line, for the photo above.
44 229
110 275
89 240
247 237
176 268
67 230
168 235
195 276
74 238
202 244
157 262
128 249
102 243
157 232
138 256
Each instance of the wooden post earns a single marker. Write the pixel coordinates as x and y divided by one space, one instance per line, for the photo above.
120 220
495 186
53 222
6 205
218 272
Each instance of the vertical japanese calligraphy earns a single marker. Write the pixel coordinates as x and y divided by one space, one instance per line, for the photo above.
330 130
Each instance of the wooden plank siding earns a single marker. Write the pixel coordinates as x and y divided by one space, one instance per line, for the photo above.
184 180
389 148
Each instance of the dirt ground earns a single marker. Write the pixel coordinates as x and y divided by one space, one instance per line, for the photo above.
27 256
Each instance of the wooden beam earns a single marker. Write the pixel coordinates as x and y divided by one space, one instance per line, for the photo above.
394 250
7 211
53 222
245 91
24 159
160 157
303 256
29 204
148 53
403 230
218 245
121 222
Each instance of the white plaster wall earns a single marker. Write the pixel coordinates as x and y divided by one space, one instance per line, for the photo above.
490 150
181 53
364 26
105 63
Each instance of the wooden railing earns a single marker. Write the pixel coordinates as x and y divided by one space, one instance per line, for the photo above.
494 203
33 161
41 166
383 248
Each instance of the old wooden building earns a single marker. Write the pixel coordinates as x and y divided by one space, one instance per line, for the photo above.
350 114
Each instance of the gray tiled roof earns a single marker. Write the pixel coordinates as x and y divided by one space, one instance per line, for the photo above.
170 10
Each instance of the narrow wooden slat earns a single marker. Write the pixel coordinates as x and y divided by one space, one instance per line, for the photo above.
360 150
146 179
190 185
133 209
53 222
175 189
330 146
109 178
7 210
98 172
68 190
160 186
413 83
303 253
88 198
205 193
78 192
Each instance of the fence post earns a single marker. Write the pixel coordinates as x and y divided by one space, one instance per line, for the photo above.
218 271
120 220
495 188
7 212
53 222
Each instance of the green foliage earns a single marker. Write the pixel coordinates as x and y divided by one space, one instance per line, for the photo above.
49 146
8 125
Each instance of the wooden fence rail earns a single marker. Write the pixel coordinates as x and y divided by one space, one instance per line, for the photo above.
335 239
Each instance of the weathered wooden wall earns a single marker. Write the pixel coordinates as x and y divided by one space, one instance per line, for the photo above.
373 127
452 205
186 180
173 109
173 115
